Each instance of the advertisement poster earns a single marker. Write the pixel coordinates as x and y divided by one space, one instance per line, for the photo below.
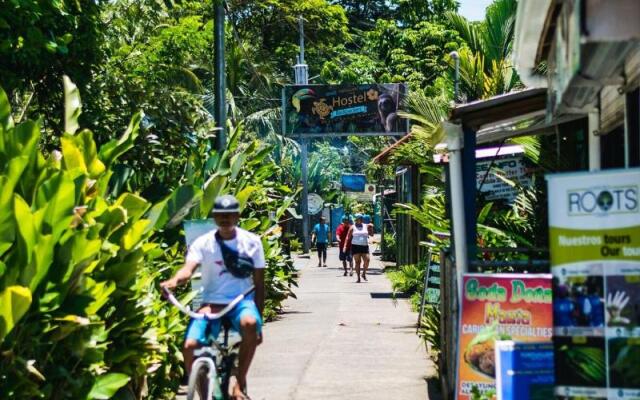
490 174
340 110
594 238
524 371
515 307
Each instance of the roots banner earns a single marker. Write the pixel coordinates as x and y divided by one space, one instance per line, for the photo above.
499 307
594 238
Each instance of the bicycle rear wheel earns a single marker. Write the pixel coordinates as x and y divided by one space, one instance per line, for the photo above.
198 388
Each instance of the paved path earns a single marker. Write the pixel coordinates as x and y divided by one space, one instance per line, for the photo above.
341 340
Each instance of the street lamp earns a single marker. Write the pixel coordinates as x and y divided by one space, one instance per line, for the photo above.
456 59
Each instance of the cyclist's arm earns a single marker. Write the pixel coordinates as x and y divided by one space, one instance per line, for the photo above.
258 282
182 276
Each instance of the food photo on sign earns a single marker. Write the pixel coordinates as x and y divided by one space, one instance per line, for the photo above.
499 307
343 109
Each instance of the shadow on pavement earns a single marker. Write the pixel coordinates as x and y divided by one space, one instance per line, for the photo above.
388 295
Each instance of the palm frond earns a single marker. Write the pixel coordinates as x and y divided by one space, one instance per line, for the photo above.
471 33
498 29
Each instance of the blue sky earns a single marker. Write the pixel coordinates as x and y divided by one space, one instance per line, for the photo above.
473 10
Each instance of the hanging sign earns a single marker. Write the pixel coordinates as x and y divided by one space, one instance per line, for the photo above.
594 239
498 307
343 110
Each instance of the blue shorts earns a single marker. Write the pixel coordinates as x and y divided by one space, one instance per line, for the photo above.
201 329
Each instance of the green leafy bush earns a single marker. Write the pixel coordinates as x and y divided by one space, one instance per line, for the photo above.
76 323
296 245
390 249
81 315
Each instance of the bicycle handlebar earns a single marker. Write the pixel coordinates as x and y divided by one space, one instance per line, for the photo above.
186 310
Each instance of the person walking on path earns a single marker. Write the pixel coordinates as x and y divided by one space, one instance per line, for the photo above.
341 234
359 235
322 236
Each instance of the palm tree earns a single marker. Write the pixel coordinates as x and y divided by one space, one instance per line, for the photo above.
485 62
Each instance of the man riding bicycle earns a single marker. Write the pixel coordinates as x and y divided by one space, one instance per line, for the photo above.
231 260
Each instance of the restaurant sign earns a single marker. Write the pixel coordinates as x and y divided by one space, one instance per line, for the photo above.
498 307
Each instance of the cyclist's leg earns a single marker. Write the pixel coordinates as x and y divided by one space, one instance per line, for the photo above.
194 338
245 318
197 335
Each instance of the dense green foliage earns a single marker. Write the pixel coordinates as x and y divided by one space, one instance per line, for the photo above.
90 221
73 322
81 314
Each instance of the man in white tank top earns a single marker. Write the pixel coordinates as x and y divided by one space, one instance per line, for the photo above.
359 236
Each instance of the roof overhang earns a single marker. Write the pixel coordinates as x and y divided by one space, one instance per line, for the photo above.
532 23
384 156
510 115
504 107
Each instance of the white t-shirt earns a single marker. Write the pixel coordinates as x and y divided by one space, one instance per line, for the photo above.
219 285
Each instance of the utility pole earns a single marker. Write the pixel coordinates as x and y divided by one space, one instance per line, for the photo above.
302 78
220 112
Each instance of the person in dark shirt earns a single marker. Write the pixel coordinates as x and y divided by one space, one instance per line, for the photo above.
341 234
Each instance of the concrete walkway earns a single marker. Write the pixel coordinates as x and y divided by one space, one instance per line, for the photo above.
341 340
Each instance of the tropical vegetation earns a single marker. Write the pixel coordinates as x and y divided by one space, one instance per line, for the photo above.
91 218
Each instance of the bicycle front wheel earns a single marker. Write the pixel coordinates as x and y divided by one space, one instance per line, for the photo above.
199 382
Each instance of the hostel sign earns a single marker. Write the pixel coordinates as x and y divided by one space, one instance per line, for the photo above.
499 307
594 223
341 110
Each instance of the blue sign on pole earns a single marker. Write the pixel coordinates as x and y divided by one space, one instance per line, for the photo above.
524 371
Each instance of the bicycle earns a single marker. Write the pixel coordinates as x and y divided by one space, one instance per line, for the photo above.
213 366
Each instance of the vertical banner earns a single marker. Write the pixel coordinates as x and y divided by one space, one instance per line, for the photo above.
514 307
594 238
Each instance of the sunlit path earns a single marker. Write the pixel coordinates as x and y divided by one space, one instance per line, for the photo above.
341 340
